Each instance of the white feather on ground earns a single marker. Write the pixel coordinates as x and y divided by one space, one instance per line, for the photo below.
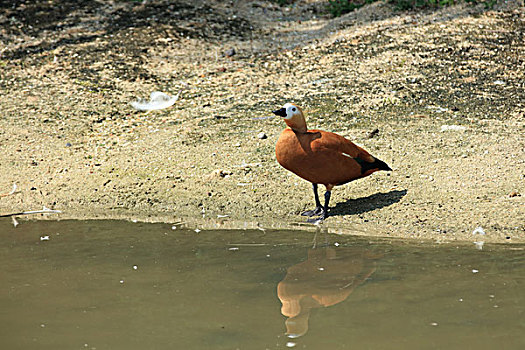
158 100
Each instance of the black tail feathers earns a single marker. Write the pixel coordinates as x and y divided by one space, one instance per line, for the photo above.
377 164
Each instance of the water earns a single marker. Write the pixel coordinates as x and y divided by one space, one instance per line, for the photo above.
121 285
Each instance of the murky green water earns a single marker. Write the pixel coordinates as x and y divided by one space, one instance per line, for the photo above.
120 285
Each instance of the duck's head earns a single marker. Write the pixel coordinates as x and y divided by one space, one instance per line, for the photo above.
293 117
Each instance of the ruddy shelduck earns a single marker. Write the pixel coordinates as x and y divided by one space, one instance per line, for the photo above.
321 157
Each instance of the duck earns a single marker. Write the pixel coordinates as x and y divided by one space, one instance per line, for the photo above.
320 157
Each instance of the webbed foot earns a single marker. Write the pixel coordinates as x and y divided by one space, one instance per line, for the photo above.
315 212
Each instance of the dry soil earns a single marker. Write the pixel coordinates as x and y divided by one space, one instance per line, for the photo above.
444 88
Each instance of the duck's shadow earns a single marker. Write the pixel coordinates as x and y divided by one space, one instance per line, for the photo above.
366 204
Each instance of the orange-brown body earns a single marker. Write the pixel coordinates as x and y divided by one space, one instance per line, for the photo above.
321 157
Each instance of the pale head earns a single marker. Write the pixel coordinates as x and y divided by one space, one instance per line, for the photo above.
293 117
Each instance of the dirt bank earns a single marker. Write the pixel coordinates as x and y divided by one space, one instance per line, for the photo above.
71 141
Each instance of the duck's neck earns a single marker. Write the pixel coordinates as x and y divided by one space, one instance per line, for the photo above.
298 125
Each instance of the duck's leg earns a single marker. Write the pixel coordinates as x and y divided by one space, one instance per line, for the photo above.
327 195
324 210
318 208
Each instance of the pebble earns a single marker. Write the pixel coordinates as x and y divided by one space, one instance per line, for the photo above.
230 52
223 173
262 136
373 133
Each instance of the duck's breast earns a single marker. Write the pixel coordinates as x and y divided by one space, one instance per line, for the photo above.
317 156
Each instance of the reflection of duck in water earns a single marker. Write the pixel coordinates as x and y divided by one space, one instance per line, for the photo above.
326 278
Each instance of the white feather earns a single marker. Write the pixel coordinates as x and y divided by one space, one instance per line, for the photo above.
158 100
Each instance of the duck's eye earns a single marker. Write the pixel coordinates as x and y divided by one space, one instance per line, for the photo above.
294 109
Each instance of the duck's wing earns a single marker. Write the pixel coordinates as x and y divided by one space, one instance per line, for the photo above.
338 143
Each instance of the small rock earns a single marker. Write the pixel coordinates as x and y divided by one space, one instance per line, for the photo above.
223 173
373 133
218 173
230 52
514 194
262 136
68 144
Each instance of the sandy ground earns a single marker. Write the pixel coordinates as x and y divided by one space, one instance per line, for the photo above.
71 141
